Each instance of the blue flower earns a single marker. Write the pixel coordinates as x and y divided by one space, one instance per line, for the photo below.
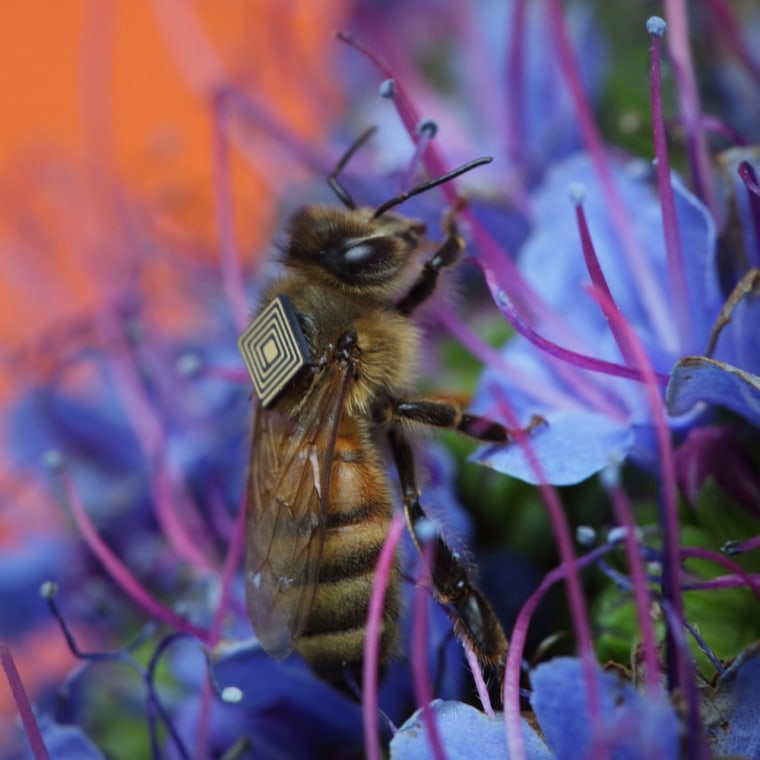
627 724
593 418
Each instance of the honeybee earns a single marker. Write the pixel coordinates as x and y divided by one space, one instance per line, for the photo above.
333 353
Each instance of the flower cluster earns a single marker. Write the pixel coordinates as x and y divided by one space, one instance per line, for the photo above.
614 266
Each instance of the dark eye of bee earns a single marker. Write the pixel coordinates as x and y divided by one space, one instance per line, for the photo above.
368 258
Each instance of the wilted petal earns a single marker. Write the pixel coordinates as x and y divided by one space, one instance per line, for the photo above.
732 713
698 379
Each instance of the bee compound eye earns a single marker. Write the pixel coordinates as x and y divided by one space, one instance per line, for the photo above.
356 258
358 255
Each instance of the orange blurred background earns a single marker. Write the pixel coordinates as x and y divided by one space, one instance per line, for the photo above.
111 99
100 92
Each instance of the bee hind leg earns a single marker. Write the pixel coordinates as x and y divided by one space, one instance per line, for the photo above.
475 622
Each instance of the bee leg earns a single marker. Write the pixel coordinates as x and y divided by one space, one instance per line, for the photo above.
449 253
447 415
475 622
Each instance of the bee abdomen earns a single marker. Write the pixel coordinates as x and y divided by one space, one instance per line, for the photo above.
358 517
333 640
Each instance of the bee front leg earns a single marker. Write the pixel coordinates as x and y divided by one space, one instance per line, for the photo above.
448 415
453 585
449 253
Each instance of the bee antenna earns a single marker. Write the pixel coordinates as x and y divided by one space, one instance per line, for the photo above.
425 186
332 178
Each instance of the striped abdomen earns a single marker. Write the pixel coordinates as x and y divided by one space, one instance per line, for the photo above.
359 513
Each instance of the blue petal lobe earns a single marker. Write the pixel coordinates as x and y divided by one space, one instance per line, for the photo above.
465 733
571 447
68 742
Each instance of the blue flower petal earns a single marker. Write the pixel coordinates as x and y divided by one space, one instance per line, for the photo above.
23 568
572 447
698 379
735 728
285 708
698 244
67 742
632 725
465 733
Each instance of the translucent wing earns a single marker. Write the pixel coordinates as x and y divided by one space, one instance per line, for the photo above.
287 489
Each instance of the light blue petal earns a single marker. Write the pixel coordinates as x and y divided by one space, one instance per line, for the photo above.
465 733
570 448
696 230
732 713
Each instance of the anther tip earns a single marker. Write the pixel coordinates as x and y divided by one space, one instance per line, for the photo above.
53 460
577 193
656 26
49 590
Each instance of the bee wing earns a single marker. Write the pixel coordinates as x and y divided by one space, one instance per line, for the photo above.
287 492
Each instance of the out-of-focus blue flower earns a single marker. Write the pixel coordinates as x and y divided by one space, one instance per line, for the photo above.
595 419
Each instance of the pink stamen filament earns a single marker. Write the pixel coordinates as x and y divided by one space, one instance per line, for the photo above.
509 311
229 258
739 547
639 262
420 678
512 720
688 100
436 167
426 131
576 602
735 42
174 508
673 250
489 356
717 126
594 269
679 671
752 582
370 709
229 570
480 684
23 705
624 516
119 572
514 127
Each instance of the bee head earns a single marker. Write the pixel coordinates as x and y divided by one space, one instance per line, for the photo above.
353 247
